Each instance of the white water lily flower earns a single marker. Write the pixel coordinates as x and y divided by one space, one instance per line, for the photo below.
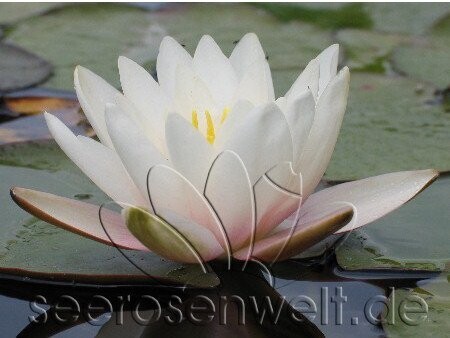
212 162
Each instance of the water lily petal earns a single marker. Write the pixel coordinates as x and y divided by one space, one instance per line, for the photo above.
93 94
189 151
323 135
256 84
273 205
215 70
138 154
230 193
262 140
100 163
78 217
328 66
372 197
307 80
152 129
300 114
192 95
177 202
186 242
287 243
247 51
284 176
145 94
226 130
171 54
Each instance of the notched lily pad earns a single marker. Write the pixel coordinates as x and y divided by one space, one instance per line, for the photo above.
20 68
414 237
32 248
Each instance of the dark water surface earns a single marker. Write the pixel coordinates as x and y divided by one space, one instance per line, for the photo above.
313 289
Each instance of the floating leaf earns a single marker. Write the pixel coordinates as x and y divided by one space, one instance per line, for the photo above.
20 68
367 51
414 237
391 124
12 12
35 128
422 312
32 248
409 18
287 45
92 35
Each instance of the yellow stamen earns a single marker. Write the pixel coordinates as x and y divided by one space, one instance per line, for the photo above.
195 119
225 112
210 133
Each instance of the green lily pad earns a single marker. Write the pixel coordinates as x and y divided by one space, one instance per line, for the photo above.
93 35
409 18
366 50
414 237
391 124
12 12
431 301
287 45
20 68
32 248
425 59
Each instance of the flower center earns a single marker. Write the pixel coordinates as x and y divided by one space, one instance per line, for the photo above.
210 129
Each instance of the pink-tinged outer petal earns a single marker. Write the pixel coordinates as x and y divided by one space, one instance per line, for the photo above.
302 238
371 197
230 193
273 205
77 217
176 201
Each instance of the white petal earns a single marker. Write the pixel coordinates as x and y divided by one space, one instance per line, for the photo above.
189 151
247 51
262 140
215 70
324 131
93 94
286 178
300 114
171 54
256 85
176 201
230 193
237 114
138 154
192 94
328 66
152 128
307 80
144 92
371 198
99 163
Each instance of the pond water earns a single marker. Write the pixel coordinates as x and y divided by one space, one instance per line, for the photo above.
338 303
